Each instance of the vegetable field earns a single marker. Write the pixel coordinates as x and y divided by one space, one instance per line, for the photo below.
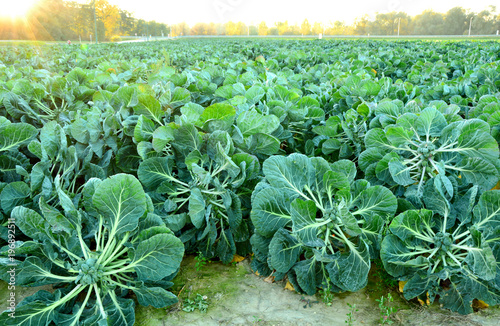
320 161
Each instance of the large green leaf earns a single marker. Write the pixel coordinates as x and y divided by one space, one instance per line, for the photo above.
350 271
252 122
290 173
150 108
157 257
122 201
284 251
16 134
154 296
303 214
270 211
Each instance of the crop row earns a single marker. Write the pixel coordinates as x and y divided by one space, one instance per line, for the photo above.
117 160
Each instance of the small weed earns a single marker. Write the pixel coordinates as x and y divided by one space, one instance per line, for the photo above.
201 261
386 310
350 315
326 296
200 303
256 319
308 302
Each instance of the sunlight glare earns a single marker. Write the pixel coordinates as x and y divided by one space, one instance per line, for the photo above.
16 8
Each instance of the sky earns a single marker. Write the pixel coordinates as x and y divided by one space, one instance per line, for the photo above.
270 11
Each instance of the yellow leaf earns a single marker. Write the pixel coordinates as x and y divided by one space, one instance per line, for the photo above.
237 259
497 186
479 304
374 71
257 273
402 285
427 301
289 286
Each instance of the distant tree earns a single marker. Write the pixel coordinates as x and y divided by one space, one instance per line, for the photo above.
109 16
211 29
305 28
455 21
282 27
361 25
273 31
180 29
231 28
241 28
483 23
199 29
127 23
254 30
387 24
428 23
317 28
263 29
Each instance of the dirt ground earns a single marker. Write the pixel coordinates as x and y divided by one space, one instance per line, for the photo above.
236 296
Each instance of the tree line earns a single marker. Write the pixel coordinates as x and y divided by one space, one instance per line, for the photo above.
457 21
62 20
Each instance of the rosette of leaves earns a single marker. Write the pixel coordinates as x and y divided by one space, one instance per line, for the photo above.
94 257
424 146
59 155
202 201
316 224
387 112
342 136
488 109
297 115
451 251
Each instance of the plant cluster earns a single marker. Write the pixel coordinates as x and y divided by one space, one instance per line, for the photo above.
115 160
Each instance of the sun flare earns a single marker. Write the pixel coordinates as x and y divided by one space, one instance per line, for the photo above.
16 8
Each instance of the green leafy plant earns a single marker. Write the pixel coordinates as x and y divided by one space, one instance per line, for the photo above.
341 137
424 146
200 303
326 296
204 199
94 255
316 224
201 261
386 309
350 315
451 251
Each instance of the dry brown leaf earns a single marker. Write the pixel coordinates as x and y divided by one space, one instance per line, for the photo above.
269 279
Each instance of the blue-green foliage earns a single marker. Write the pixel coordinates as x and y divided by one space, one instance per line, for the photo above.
302 152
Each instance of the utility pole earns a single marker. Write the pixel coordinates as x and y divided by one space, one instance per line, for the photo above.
95 24
470 24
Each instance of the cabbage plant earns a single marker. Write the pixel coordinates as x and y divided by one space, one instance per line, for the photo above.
425 146
451 251
316 224
93 257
